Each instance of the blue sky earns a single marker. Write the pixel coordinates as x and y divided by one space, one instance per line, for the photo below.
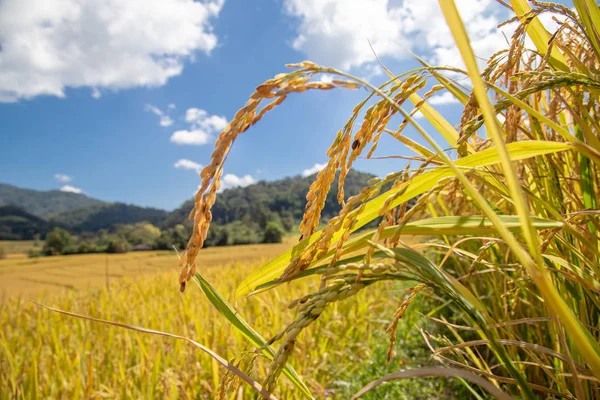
84 86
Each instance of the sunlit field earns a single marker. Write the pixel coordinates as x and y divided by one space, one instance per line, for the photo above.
47 355
28 276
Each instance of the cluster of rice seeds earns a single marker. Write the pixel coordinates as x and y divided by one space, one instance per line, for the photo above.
375 121
345 220
409 295
310 307
344 151
231 382
277 88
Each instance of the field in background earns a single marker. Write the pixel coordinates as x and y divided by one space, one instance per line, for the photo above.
20 275
47 355
19 248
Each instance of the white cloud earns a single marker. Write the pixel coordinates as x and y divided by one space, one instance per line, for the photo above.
171 106
418 115
444 98
193 137
313 170
165 120
188 164
201 119
48 46
326 78
337 32
71 189
62 178
202 127
229 181
96 93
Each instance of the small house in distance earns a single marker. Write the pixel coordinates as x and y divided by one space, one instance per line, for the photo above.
141 247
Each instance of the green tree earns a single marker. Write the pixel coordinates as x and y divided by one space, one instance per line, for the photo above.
273 233
117 245
57 241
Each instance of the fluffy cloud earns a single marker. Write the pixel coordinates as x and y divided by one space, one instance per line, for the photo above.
313 170
188 164
444 98
165 120
229 181
201 119
336 32
193 137
71 189
48 46
62 178
202 127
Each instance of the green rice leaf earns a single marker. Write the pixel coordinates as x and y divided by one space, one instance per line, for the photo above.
418 185
253 337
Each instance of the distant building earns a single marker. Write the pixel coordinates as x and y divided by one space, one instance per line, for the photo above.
141 247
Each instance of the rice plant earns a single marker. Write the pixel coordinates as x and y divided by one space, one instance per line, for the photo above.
508 219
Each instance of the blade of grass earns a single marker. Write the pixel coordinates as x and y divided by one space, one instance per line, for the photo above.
435 371
254 337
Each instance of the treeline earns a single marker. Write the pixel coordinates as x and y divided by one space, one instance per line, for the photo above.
145 236
281 201
259 213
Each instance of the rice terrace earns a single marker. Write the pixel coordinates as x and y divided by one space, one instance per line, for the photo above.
444 244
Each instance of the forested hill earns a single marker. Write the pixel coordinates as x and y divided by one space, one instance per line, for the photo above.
260 212
43 203
282 201
104 216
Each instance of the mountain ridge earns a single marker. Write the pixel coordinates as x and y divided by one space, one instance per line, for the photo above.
244 211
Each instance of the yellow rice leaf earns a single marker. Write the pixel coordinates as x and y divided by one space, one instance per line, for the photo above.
418 185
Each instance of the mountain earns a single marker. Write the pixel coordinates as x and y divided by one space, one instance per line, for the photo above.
26 212
43 203
16 224
240 215
103 216
281 200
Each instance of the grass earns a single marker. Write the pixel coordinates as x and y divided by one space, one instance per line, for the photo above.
46 355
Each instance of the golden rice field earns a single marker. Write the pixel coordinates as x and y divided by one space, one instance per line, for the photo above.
48 355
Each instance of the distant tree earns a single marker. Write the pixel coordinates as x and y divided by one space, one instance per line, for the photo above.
117 245
239 232
36 240
217 236
174 237
273 233
87 246
57 241
139 233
